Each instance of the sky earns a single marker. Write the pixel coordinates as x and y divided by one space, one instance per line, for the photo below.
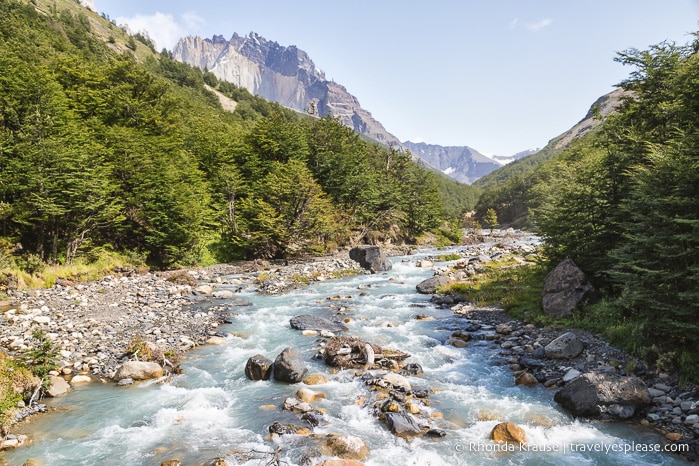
499 76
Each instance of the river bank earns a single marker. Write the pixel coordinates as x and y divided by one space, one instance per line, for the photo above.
213 297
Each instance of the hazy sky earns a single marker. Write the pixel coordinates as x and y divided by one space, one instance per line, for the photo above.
499 76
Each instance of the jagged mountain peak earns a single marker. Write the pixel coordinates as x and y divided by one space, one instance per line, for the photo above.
282 74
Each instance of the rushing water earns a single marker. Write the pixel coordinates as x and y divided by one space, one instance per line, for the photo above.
212 410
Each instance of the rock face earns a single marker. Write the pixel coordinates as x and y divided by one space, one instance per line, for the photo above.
430 285
565 288
507 432
605 396
567 346
258 367
371 258
139 370
309 322
289 367
281 74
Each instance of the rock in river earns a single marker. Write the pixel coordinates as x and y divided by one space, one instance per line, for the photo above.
430 285
309 322
371 258
289 367
258 367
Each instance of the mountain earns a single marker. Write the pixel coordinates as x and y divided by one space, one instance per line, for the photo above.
285 75
461 163
594 117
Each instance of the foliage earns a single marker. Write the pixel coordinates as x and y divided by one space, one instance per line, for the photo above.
16 384
621 202
132 154
42 358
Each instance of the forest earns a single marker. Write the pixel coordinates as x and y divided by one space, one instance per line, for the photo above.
623 203
110 148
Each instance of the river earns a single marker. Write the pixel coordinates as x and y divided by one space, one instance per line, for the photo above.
212 410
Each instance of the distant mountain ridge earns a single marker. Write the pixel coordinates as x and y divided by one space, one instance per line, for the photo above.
462 163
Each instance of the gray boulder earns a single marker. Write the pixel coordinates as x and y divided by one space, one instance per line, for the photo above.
403 425
289 367
430 285
258 367
567 346
309 322
604 396
565 288
371 258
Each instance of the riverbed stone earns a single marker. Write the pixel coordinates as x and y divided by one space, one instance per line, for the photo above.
508 432
430 285
403 425
525 378
308 395
258 367
567 346
345 447
139 370
310 322
80 378
397 381
289 366
315 379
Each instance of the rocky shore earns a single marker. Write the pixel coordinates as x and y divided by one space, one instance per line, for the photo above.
96 327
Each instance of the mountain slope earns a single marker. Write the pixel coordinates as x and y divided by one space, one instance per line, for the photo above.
285 75
594 118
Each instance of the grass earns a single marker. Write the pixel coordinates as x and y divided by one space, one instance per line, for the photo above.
518 289
506 282
34 274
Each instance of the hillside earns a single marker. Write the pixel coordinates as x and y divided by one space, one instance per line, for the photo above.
110 148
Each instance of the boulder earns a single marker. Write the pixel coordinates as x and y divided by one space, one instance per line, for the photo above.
80 378
565 288
315 379
567 346
507 432
139 370
309 396
309 322
59 386
403 425
223 294
371 258
604 396
345 446
430 285
526 378
258 367
289 367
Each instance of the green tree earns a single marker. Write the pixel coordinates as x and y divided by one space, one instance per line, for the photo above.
288 213
491 219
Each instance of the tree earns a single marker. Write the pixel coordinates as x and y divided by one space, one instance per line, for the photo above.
287 214
491 219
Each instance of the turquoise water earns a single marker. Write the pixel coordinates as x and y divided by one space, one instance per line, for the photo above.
212 410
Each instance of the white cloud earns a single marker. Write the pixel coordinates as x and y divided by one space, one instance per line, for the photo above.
539 24
163 28
192 20
534 27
